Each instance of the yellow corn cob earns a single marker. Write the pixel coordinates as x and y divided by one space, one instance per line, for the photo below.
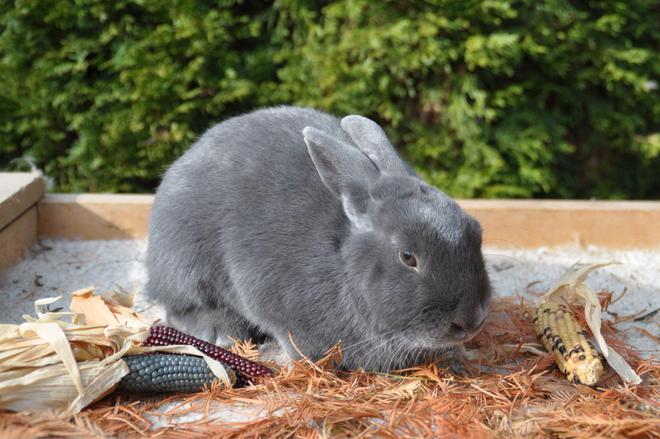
562 335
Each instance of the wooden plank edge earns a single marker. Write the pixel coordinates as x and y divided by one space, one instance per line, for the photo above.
560 205
19 191
17 238
94 216
506 223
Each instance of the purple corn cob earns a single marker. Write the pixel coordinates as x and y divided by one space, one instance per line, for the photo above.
246 369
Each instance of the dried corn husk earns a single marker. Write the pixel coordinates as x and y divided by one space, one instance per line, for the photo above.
67 360
572 289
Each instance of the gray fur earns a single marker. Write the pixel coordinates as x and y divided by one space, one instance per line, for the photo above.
261 231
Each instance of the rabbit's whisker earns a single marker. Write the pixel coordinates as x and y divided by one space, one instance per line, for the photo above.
365 343
393 356
373 353
346 348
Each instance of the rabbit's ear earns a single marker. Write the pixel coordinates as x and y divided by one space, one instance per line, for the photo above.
373 141
345 170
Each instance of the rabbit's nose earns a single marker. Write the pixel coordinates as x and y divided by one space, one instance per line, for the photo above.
458 330
462 326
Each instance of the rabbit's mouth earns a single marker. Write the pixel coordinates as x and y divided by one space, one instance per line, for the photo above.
446 340
473 333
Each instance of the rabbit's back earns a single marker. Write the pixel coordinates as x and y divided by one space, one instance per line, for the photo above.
245 196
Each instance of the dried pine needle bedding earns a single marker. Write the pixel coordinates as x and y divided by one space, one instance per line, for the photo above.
512 387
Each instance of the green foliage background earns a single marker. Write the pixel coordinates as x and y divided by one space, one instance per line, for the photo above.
487 98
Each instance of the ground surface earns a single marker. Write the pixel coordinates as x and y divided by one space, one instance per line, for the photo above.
56 267
59 267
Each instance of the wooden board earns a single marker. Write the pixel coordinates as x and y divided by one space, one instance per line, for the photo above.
17 237
506 223
536 223
94 216
18 192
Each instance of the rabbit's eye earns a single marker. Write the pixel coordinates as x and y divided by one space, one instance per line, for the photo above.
408 258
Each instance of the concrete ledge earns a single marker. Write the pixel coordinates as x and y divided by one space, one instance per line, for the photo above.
506 223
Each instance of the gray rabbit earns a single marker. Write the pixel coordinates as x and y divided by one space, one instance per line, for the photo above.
293 224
